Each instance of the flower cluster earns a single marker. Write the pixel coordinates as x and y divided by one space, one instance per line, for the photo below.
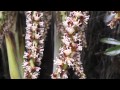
37 25
113 23
72 44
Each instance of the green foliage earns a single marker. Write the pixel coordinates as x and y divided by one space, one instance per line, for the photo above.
13 65
110 41
113 50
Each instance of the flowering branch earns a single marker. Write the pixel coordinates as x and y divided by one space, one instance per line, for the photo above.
113 23
37 26
72 44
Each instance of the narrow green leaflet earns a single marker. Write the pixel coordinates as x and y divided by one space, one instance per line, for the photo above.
110 41
113 51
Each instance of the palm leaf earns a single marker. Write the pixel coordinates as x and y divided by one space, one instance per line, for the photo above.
113 51
13 65
110 41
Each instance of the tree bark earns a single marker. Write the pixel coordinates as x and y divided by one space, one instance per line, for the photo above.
96 64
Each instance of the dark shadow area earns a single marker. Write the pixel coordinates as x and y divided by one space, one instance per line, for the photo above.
47 61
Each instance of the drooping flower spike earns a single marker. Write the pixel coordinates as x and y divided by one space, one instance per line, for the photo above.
37 25
72 43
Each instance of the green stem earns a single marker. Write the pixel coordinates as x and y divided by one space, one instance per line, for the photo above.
13 66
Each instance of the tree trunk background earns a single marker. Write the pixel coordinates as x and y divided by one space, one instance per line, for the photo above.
97 65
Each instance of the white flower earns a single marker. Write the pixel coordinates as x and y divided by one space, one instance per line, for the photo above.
39 60
68 19
54 75
42 24
41 30
28 20
65 23
36 16
75 38
70 30
76 23
28 12
58 62
87 18
37 69
34 27
41 41
25 75
58 77
67 52
59 70
29 25
27 37
61 49
77 14
69 61
41 50
34 75
25 64
41 54
111 25
35 55
37 36
28 68
28 44
64 76
25 55
80 48
28 32
41 14
65 41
